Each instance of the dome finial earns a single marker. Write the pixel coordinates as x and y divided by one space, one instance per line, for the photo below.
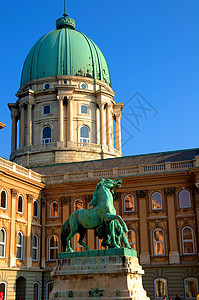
65 9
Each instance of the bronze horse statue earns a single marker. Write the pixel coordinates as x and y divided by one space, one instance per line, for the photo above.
101 214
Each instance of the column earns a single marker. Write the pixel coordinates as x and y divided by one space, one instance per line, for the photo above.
29 248
12 229
70 121
102 124
60 100
14 114
97 126
111 127
108 125
29 121
118 131
144 238
174 257
22 126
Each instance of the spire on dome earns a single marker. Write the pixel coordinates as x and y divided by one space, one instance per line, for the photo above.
65 9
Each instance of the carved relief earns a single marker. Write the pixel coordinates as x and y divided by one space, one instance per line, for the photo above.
29 198
170 191
142 193
14 192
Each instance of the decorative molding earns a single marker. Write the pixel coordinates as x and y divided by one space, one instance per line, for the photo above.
29 198
14 192
65 200
170 191
88 197
117 196
142 193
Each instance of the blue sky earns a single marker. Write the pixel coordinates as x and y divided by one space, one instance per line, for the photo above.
152 49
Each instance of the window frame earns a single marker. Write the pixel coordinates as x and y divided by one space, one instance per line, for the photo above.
83 138
78 199
20 212
84 105
36 216
4 243
179 204
50 216
124 204
20 246
5 283
38 284
133 243
43 113
49 247
156 209
48 283
42 138
35 247
1 207
185 287
158 242
154 288
193 241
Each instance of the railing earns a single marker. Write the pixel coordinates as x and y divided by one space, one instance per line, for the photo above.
120 172
19 169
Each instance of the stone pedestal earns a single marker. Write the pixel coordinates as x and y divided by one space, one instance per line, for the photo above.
105 274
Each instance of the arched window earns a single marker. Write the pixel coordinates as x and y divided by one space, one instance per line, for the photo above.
49 288
2 243
156 201
76 246
3 289
19 245
129 203
53 247
3 203
54 209
47 135
158 242
20 208
78 204
132 238
36 209
184 199
36 295
35 247
160 288
188 241
84 134
191 288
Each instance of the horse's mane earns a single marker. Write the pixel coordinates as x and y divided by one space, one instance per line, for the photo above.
94 201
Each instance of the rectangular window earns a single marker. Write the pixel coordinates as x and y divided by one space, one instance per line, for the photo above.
84 109
46 109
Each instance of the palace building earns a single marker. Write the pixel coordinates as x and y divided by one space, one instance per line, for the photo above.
65 115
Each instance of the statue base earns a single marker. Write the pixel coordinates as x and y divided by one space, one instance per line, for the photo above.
105 274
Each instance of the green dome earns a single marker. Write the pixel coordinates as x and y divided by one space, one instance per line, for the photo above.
65 51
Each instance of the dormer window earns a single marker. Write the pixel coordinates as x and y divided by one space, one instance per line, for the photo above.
84 109
46 109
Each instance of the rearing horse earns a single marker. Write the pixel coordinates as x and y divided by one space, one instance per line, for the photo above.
103 212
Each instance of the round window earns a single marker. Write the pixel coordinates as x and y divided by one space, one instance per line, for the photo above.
83 86
46 86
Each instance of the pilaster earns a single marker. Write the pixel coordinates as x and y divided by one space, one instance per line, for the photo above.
144 238
29 119
12 228
70 121
29 212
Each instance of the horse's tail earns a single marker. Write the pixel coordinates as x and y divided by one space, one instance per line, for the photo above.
65 233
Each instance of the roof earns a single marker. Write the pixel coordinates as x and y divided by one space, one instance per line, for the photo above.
2 125
65 51
120 162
